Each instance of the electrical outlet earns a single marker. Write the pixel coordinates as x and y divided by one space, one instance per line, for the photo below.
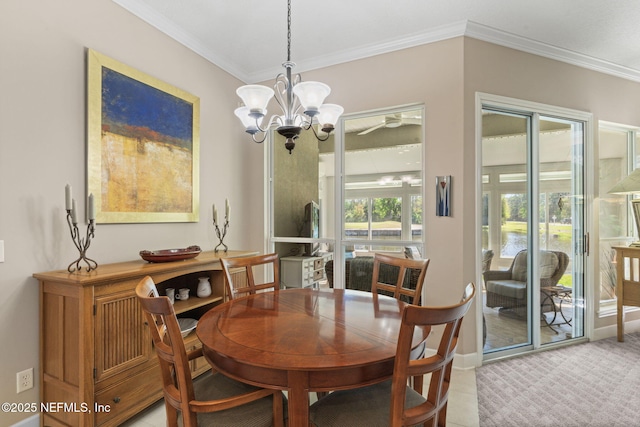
25 380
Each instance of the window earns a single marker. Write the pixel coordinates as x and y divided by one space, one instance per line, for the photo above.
618 146
366 180
383 181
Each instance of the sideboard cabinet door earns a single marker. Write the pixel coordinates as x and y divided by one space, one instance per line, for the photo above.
121 339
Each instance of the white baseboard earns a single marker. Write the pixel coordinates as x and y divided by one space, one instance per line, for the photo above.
33 421
630 326
465 361
471 360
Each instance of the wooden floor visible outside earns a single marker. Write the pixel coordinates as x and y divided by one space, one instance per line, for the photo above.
507 329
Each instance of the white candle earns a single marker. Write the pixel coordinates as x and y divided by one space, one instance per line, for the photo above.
74 217
67 197
215 214
91 209
226 210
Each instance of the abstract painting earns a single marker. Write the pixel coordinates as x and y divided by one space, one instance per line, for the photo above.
143 146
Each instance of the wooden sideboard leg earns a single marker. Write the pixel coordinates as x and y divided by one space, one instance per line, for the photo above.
620 264
620 321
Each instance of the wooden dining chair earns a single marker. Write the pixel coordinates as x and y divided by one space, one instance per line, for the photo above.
391 276
211 400
240 274
393 403
386 280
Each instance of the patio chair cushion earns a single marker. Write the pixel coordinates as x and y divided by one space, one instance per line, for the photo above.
508 288
548 265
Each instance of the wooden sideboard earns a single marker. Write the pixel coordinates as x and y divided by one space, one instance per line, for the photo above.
627 282
96 356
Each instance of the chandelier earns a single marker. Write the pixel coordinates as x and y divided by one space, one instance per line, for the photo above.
294 96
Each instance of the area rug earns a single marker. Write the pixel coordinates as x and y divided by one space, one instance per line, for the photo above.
593 384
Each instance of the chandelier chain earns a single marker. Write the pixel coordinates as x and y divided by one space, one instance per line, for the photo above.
289 31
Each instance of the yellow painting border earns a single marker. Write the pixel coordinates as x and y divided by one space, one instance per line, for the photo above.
95 62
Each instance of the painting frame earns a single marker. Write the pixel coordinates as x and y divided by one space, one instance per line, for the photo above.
143 145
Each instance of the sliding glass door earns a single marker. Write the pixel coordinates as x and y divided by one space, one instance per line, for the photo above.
532 215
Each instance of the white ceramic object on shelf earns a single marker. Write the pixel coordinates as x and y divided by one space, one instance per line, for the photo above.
204 287
187 325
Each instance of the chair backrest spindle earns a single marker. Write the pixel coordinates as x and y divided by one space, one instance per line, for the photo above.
384 279
241 278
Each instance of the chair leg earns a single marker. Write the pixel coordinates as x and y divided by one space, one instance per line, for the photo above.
172 415
189 419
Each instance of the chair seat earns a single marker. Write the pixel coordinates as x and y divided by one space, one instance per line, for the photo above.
217 386
366 406
508 288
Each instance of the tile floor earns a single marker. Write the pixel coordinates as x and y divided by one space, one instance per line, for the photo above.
462 409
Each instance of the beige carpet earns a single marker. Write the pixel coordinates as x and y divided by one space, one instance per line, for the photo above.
594 384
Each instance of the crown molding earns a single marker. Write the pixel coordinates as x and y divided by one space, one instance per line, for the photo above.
463 28
502 38
444 32
166 26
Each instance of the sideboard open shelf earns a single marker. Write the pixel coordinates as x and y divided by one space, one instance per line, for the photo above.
95 347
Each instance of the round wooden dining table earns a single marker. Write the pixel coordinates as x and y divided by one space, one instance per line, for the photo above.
303 340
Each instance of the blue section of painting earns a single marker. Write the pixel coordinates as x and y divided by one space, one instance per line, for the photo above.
129 103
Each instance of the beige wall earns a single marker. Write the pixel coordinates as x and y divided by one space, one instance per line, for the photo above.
433 75
446 76
42 148
42 144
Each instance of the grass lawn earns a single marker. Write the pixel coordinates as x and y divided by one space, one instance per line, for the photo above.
374 225
562 231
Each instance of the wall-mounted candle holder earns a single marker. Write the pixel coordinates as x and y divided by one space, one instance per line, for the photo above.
81 243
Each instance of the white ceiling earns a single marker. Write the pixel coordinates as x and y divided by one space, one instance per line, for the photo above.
247 38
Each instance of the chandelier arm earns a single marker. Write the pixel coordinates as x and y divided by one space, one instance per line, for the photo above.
289 101
305 123
279 87
275 118
259 141
283 94
295 105
316 133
